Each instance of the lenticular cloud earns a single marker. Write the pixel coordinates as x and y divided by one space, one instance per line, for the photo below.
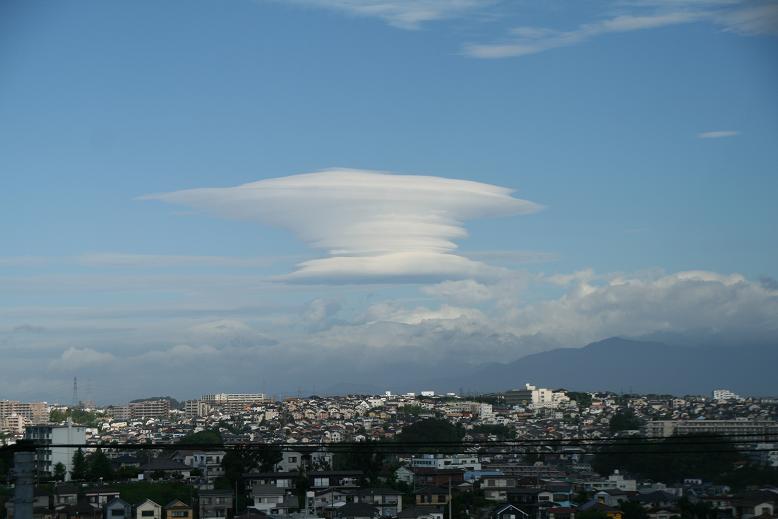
373 226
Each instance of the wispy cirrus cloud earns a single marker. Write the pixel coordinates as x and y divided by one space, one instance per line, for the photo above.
745 17
720 134
373 226
403 14
524 41
116 259
128 260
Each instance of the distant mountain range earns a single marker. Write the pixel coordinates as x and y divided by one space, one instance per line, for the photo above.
625 365
615 364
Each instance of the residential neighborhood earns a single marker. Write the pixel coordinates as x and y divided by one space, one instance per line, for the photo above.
528 453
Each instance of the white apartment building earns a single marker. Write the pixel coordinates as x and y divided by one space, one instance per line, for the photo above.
242 398
722 395
234 402
615 480
14 424
535 397
47 458
442 461
480 409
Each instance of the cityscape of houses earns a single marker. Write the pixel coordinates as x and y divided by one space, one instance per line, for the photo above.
516 457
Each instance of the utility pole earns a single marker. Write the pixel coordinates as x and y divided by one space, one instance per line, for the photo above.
450 516
23 468
75 392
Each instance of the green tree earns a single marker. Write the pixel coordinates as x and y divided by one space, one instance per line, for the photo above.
503 432
60 471
750 475
432 431
78 416
625 421
80 466
581 497
6 462
241 459
633 510
698 510
591 514
99 466
301 486
366 456
584 400
125 473
158 491
671 459
57 416
201 437
466 504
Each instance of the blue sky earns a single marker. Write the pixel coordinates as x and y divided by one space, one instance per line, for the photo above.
600 111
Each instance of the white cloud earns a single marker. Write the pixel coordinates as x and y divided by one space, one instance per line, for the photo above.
23 261
465 291
113 259
602 306
374 226
230 332
753 20
745 17
404 14
473 322
532 40
511 257
717 134
78 358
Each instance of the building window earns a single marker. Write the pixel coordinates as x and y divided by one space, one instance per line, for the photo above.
117 512
147 513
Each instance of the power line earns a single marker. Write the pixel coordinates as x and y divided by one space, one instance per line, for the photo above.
677 447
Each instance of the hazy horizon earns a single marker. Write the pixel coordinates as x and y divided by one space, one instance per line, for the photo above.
258 195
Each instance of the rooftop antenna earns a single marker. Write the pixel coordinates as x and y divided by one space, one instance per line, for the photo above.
75 391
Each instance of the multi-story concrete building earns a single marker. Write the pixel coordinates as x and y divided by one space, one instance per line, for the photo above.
215 504
746 430
443 461
47 458
196 408
36 412
119 412
150 409
13 424
724 395
233 402
535 397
